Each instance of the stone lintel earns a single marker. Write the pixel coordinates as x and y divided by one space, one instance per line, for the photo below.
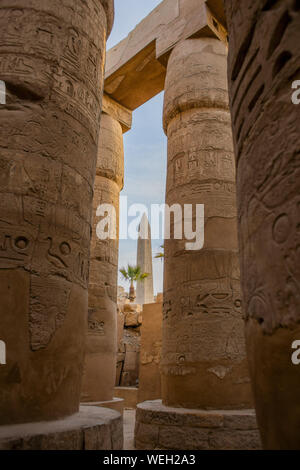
92 428
118 112
166 428
136 67
195 21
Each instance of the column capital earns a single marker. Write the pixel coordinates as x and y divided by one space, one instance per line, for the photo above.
136 67
204 362
110 162
196 77
118 112
109 8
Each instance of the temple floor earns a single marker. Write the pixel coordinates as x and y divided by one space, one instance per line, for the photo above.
129 423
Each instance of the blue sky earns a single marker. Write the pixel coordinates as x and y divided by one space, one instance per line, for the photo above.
145 144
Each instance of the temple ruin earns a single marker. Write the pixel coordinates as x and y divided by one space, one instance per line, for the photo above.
215 369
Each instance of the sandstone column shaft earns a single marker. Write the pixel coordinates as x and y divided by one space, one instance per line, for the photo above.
264 58
101 342
52 60
203 356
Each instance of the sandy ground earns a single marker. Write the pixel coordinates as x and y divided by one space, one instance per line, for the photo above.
129 422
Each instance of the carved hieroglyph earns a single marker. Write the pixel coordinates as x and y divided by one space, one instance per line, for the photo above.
149 376
101 342
264 57
52 61
203 355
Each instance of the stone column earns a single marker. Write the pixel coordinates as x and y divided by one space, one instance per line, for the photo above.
203 363
150 352
264 60
101 342
52 61
203 359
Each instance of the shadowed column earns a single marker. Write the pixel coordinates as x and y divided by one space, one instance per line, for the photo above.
203 356
264 58
101 342
206 393
52 61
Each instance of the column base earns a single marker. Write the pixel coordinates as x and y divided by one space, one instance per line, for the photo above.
92 428
116 404
165 428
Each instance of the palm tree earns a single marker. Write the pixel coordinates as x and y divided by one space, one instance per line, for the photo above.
133 274
161 254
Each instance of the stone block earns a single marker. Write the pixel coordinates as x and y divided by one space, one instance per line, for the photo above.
183 438
240 420
186 429
147 433
234 440
132 319
92 428
156 413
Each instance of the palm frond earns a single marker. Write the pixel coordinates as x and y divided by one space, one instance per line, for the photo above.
133 273
143 276
124 273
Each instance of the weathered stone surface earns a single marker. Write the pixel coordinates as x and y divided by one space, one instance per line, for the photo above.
153 412
264 60
150 353
108 6
91 428
129 339
162 427
52 61
146 433
133 319
132 314
203 352
132 340
235 440
236 419
116 404
129 307
120 345
118 112
194 20
182 439
101 343
135 68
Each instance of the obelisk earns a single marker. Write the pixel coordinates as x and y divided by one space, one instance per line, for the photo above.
144 289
